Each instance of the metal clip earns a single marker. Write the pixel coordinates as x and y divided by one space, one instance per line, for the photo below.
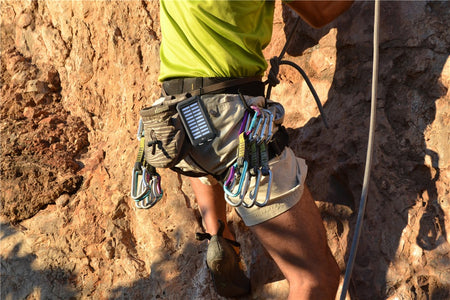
156 186
139 188
267 137
229 193
259 129
251 124
245 186
269 186
153 196
253 195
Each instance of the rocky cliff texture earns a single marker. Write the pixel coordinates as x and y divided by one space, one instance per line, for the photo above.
75 75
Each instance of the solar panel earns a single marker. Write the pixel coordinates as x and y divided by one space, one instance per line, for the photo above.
196 121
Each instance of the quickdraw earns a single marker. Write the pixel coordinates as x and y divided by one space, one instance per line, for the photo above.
237 172
145 181
252 163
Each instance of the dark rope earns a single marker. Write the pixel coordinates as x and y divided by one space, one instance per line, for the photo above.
311 88
276 61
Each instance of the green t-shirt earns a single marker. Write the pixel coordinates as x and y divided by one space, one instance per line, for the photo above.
214 38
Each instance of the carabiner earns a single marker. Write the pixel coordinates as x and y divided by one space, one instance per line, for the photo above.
229 193
253 195
241 181
155 194
259 128
245 186
244 122
257 109
251 124
269 186
231 177
262 136
142 203
141 189
156 187
231 202
269 135
147 202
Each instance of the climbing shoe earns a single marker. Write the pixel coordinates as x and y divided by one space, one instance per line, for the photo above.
224 265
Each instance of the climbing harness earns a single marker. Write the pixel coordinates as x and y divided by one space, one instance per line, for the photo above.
365 187
256 136
145 181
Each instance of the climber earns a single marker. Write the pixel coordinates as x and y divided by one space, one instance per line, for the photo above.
209 42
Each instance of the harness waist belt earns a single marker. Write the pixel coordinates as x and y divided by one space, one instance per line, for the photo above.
252 86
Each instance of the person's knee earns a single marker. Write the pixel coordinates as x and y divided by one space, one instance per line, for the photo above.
320 282
328 277
317 286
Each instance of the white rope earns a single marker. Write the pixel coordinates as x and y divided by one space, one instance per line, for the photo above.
365 188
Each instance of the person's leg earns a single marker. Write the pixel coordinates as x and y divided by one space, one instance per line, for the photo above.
222 257
211 202
297 242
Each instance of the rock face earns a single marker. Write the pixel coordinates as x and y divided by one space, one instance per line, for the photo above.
76 74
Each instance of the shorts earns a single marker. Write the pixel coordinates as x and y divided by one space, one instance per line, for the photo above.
226 112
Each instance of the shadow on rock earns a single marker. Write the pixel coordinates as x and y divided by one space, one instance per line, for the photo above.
177 272
183 273
403 209
20 279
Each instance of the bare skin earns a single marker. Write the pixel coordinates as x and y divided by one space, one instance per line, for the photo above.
319 13
297 242
211 203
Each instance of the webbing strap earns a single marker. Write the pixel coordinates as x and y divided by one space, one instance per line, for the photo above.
140 155
223 85
241 149
264 156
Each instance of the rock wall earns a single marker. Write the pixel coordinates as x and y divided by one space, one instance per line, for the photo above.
75 75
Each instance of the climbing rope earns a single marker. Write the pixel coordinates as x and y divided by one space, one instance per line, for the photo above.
275 62
365 188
